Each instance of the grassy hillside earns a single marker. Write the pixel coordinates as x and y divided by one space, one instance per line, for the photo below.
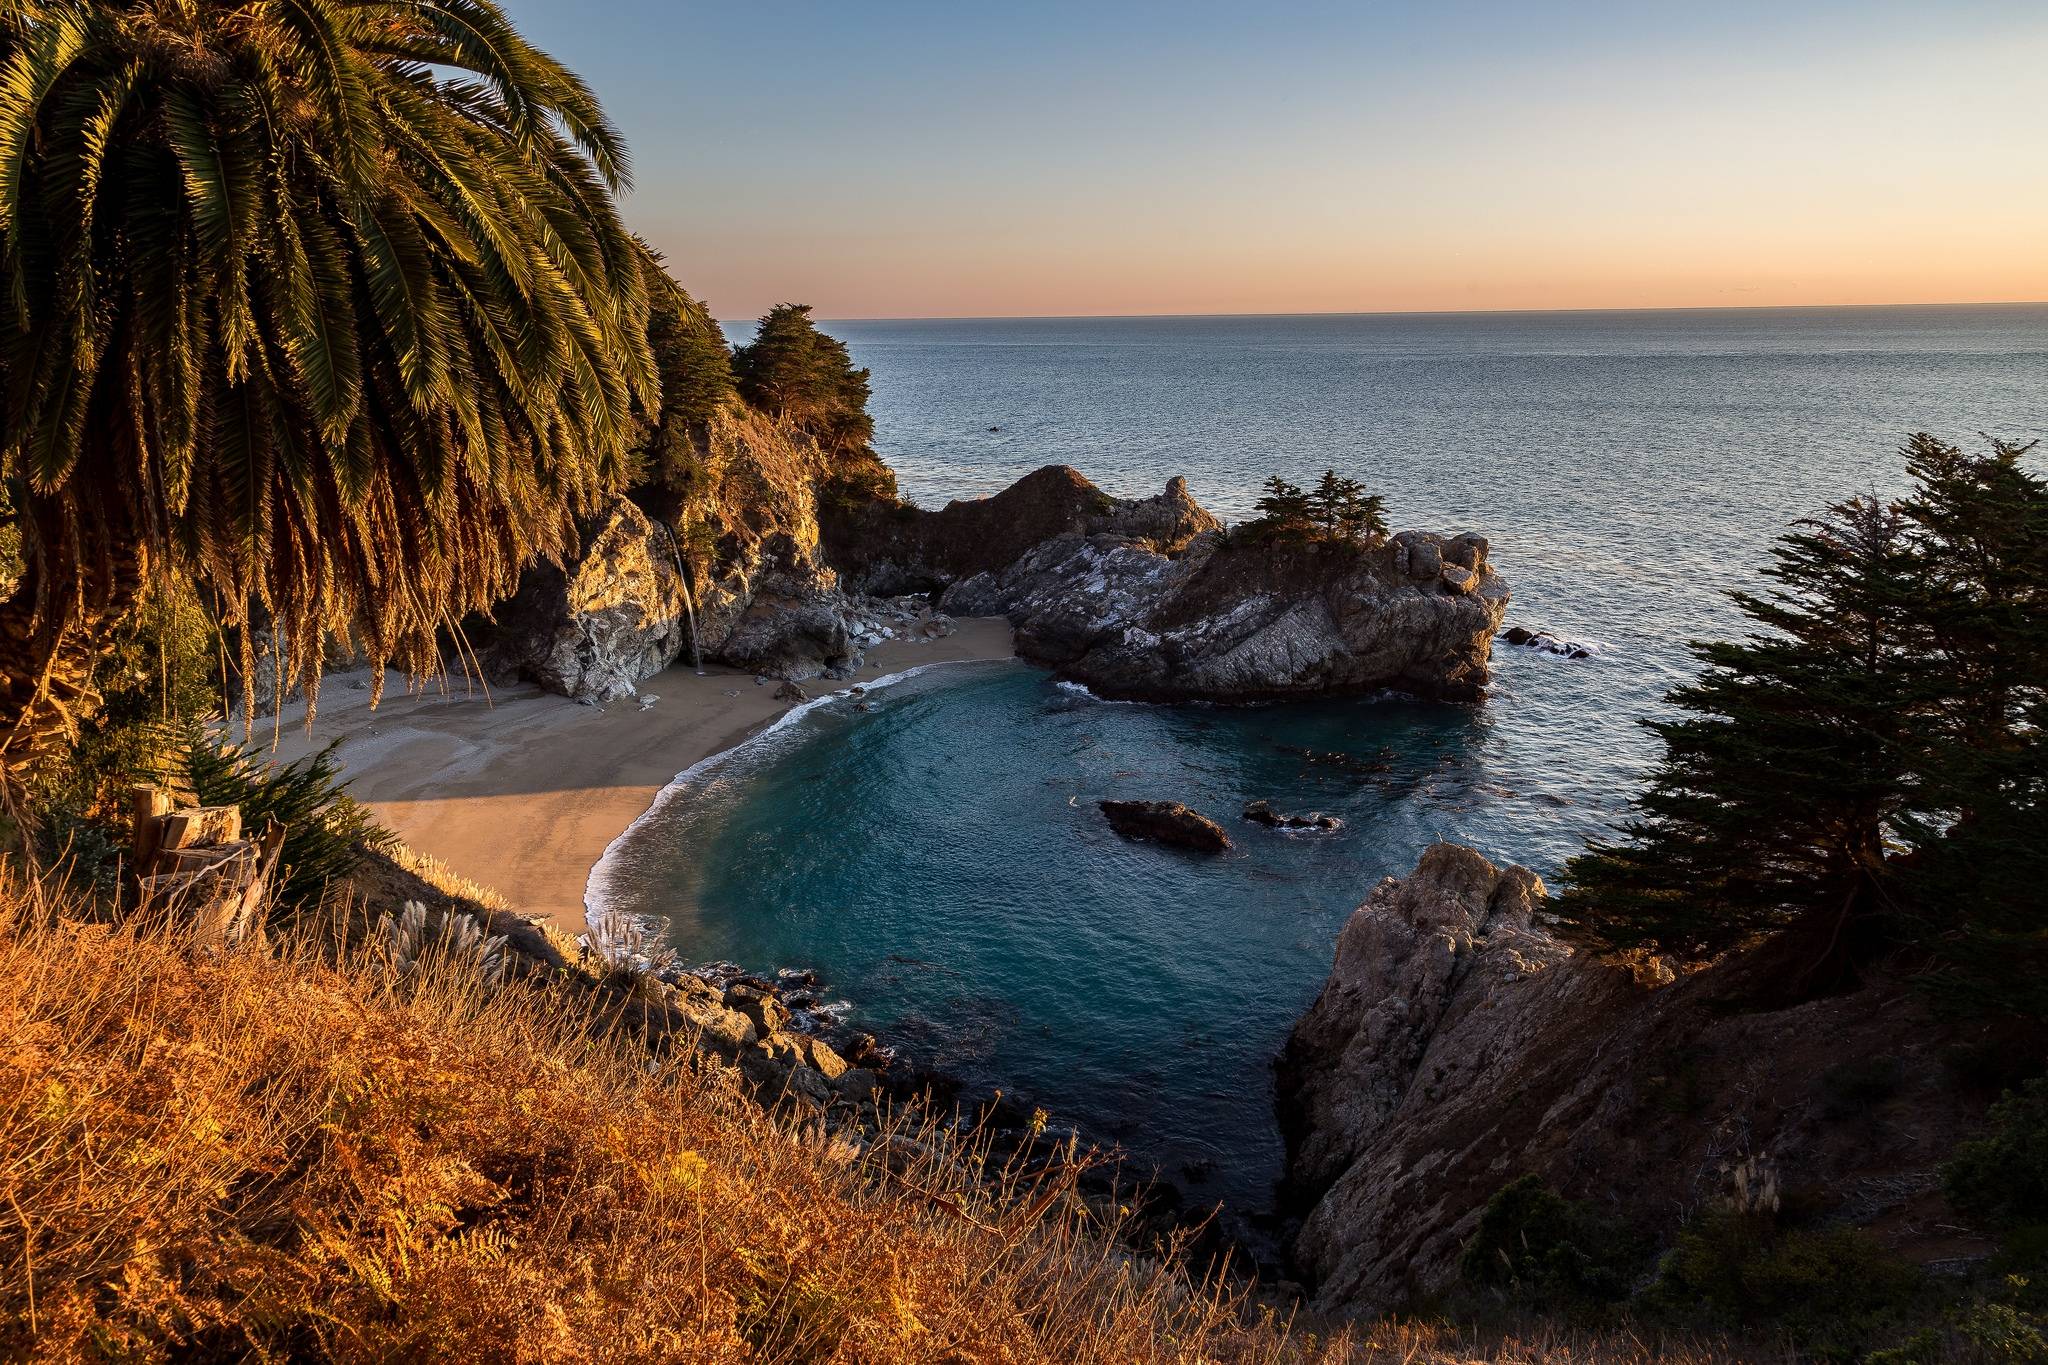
294 1154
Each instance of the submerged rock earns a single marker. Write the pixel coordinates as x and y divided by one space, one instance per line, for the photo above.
1545 641
1166 822
1262 813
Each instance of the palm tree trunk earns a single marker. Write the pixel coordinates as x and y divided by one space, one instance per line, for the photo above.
48 655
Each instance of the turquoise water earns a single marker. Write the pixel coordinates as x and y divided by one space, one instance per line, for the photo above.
938 859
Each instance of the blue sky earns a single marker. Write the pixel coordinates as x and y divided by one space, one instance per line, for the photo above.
918 160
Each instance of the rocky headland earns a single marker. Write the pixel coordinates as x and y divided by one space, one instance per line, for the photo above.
1459 1044
788 566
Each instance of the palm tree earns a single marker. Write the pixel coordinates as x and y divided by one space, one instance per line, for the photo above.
324 304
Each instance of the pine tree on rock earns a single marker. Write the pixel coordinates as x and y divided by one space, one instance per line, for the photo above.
794 371
1344 511
1284 506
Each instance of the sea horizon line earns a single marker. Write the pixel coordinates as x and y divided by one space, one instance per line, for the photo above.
1422 312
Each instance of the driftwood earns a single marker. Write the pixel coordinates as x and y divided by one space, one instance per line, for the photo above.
195 864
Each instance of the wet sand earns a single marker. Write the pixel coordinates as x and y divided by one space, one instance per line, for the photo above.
523 791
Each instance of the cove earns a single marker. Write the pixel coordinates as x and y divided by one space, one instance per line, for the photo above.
939 860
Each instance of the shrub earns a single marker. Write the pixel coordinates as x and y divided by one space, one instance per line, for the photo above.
1832 1288
1544 1249
2002 1176
325 828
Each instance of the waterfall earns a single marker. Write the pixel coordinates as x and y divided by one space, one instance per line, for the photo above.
675 549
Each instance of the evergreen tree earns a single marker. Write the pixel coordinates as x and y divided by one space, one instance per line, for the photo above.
1284 506
1872 768
1783 777
695 365
1979 875
1343 509
794 371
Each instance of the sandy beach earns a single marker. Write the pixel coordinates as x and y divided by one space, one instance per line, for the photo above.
522 791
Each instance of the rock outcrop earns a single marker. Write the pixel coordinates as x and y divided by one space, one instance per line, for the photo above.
1149 599
734 569
1235 619
596 627
893 548
1263 813
1458 1045
1166 822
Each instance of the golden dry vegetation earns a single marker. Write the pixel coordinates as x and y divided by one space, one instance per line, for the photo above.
286 1153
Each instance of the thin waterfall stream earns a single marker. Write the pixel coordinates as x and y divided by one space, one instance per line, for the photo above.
675 550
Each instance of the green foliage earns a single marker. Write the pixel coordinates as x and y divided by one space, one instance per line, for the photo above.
325 829
1980 835
1336 509
794 371
1833 1288
1869 767
1785 769
324 303
2002 1175
1284 506
159 672
1545 1250
695 368
1342 508
2003 1333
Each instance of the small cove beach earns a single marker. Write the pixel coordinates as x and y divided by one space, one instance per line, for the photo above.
522 790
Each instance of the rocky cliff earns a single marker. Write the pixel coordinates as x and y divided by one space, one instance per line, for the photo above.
771 555
1150 599
1458 1044
729 569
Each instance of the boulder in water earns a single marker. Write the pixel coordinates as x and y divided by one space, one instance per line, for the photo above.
1262 813
1166 822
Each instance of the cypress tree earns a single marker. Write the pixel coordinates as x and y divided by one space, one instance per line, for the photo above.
1343 509
1979 874
1284 507
793 370
1787 767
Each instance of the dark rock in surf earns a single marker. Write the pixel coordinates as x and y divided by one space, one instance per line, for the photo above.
1262 813
1166 822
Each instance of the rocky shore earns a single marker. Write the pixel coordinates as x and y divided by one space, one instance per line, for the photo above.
1142 598
1459 1044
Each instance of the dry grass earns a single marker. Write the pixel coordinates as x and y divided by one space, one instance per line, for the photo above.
444 878
271 1155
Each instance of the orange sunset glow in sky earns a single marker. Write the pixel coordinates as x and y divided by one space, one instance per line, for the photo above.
920 160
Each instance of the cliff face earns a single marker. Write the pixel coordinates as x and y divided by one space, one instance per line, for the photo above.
891 547
731 565
1457 1045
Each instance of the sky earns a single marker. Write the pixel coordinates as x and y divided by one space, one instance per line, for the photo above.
882 159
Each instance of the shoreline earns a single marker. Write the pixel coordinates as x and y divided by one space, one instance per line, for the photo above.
527 792
597 881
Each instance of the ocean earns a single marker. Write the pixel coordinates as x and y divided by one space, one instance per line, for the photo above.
939 860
